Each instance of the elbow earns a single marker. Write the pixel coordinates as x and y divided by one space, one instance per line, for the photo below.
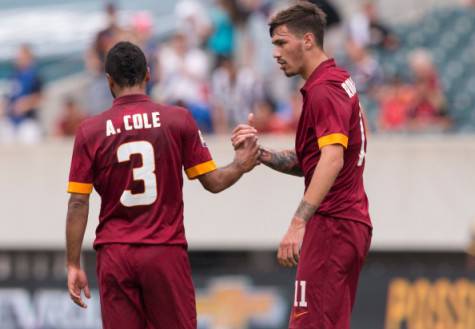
78 202
339 163
213 189
336 163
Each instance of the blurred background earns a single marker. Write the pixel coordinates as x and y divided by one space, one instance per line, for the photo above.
414 67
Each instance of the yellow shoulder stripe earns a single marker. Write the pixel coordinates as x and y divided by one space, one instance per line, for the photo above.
333 139
82 188
200 169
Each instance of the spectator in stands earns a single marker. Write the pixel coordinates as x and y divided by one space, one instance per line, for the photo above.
98 94
24 98
193 19
364 68
223 19
428 107
111 11
184 71
266 120
235 91
367 29
416 106
394 100
71 117
255 48
142 32
6 128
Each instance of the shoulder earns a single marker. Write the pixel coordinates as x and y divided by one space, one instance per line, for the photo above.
337 84
173 111
176 117
90 127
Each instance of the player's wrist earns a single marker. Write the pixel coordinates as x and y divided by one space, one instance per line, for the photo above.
265 154
73 266
305 211
298 222
240 166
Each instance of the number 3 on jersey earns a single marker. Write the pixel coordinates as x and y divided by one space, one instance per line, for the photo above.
146 173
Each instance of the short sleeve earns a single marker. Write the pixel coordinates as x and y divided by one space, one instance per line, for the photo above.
332 113
80 174
197 159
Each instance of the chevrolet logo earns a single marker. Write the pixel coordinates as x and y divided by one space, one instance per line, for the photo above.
234 303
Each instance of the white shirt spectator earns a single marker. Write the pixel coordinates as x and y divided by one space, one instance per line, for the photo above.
236 98
183 73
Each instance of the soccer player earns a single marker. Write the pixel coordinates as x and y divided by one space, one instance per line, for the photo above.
330 233
133 155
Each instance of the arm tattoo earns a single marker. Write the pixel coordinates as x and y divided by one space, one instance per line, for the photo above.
305 210
283 161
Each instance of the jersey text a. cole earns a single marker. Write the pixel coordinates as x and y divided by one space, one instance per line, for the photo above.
134 122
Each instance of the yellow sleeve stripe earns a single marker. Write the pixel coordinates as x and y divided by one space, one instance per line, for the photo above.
82 188
200 169
333 139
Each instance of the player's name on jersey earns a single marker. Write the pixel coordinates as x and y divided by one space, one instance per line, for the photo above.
134 122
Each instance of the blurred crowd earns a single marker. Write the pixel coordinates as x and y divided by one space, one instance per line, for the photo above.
218 64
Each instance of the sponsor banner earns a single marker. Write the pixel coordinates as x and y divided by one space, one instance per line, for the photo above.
248 290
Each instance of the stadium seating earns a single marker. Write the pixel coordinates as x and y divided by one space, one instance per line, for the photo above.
449 34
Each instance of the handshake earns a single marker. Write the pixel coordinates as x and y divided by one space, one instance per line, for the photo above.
248 153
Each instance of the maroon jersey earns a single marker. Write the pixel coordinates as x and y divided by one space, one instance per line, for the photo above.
133 155
332 115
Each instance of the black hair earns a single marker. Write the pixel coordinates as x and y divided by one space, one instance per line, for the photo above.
126 64
301 18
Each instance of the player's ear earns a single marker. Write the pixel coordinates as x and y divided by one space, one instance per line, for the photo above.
110 81
308 40
147 75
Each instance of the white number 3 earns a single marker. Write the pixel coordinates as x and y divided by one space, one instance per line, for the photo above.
146 173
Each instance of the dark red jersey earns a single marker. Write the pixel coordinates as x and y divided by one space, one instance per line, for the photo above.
133 155
332 115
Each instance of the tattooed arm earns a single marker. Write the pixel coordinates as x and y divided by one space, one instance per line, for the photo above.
327 170
283 161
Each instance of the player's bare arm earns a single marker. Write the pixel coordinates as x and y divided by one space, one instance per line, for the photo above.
245 159
327 170
76 221
283 161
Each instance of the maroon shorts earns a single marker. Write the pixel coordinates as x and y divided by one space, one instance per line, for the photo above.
145 287
332 255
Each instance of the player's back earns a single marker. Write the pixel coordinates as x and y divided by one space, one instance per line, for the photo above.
136 152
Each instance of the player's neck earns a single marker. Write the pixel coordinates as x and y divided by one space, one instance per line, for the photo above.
135 90
313 61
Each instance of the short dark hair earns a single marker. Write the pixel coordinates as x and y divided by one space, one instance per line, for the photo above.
301 18
126 64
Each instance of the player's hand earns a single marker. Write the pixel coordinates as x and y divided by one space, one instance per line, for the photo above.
77 281
289 248
243 132
246 157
